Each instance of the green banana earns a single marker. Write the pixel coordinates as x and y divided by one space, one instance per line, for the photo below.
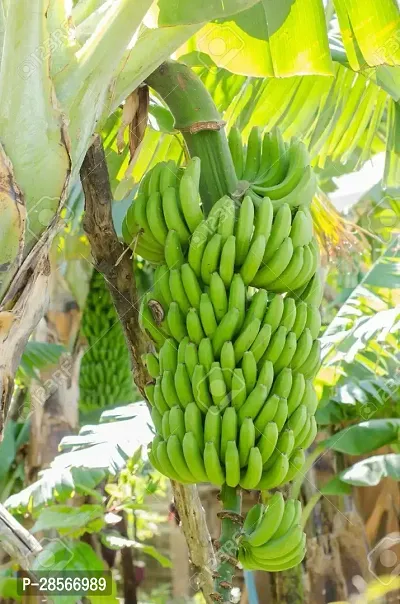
226 218
194 326
280 230
257 308
313 321
191 285
229 430
218 297
238 394
217 386
312 363
297 420
182 349
157 419
249 368
253 155
189 194
274 159
253 260
284 446
211 258
267 413
191 358
253 403
236 149
197 246
281 414
267 441
178 291
212 464
207 315
288 518
244 230
302 228
275 346
269 523
297 392
232 465
246 339
289 313
296 463
200 389
287 279
274 312
227 361
300 318
250 477
194 424
253 517
273 477
168 178
176 423
165 463
193 457
309 398
237 299
225 330
205 354
247 436
283 383
176 323
168 356
266 375
263 219
173 216
177 459
183 385
161 278
168 389
155 218
212 428
159 400
303 350
288 352
227 261
152 364
275 266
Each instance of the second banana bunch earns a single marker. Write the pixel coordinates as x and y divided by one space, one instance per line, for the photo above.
234 318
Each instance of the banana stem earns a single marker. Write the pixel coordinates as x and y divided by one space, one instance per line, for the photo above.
228 543
196 116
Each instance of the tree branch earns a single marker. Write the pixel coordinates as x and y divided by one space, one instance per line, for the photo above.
17 541
113 260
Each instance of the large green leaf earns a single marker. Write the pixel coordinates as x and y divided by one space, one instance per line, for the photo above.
365 437
69 520
97 452
370 31
360 348
180 12
369 472
269 40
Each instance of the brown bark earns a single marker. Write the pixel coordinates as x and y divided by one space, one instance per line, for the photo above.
113 260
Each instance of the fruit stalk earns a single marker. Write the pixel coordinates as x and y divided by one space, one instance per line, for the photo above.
197 118
228 543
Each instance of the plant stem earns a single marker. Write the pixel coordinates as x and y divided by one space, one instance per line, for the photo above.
227 551
196 116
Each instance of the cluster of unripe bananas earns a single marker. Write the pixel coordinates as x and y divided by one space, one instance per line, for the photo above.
273 539
231 392
105 376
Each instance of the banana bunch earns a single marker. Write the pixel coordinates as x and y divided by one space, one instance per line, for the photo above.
234 318
273 168
105 374
167 199
273 539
